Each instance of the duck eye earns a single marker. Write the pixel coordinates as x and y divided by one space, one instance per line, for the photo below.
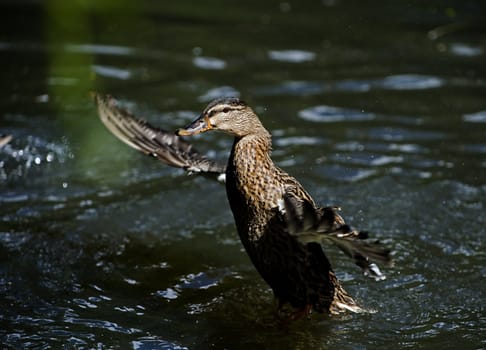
226 110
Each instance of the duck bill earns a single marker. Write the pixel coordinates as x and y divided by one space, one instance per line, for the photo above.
198 126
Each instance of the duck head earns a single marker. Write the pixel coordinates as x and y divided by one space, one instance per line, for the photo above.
228 114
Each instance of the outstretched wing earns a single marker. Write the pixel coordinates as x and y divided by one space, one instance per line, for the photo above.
161 144
310 224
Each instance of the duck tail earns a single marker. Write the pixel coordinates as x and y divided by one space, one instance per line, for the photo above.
342 301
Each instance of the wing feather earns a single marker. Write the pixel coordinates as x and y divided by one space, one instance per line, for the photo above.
156 142
310 224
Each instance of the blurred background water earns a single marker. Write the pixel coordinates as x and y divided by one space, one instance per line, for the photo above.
379 109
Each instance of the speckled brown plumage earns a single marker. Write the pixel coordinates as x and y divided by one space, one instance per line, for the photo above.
279 224
299 274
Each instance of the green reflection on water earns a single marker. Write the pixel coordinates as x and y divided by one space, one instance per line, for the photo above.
70 32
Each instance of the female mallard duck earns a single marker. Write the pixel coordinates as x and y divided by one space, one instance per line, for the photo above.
278 222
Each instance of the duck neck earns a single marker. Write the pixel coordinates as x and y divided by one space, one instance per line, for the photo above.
252 152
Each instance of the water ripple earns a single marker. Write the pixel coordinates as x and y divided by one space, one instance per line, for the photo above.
151 343
330 114
112 72
293 87
100 49
410 282
292 56
220 91
346 174
466 50
210 63
200 280
352 85
355 146
391 82
411 82
407 148
169 294
367 159
478 117
102 324
83 304
298 140
396 134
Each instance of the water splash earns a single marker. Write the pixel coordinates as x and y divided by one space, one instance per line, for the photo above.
24 154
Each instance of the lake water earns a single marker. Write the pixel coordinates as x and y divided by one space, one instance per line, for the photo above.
378 109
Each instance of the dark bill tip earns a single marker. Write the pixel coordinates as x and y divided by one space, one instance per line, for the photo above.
198 126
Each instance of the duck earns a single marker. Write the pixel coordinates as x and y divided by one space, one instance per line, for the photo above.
279 224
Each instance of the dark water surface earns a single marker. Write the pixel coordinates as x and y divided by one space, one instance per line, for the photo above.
379 109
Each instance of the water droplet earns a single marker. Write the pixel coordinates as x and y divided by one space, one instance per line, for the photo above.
197 51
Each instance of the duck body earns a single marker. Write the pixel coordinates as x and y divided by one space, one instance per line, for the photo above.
297 273
278 222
